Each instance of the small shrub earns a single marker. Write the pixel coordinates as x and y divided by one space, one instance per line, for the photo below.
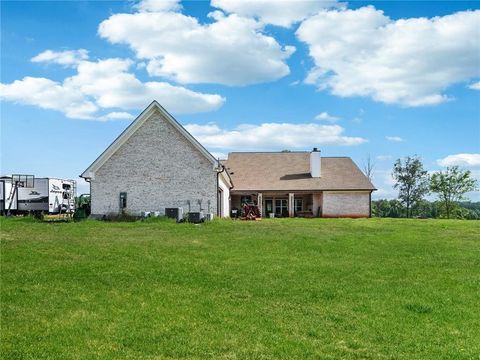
124 216
38 215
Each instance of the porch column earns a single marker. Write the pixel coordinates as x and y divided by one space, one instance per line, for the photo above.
291 205
260 203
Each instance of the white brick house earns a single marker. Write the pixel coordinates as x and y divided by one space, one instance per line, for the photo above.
155 164
299 183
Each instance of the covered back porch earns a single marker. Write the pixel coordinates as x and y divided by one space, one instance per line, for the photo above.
280 203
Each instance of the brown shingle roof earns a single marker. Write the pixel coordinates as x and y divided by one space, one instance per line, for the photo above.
264 171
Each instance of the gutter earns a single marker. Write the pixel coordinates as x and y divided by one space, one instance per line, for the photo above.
370 204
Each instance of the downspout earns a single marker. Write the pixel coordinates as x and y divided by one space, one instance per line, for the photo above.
216 194
370 204
218 185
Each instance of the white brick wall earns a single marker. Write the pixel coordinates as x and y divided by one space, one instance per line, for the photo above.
225 201
317 202
157 167
346 204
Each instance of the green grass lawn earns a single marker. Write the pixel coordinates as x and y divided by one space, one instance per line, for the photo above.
273 289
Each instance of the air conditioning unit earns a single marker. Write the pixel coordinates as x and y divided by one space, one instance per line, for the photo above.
195 217
174 213
209 216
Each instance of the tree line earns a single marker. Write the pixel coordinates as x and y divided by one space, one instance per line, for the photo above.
414 183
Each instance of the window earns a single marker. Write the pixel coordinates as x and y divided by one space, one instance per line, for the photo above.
245 199
281 207
66 186
123 200
268 206
298 205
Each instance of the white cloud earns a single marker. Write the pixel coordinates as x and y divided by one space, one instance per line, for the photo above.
469 160
112 86
66 58
394 138
49 94
116 115
409 62
276 12
326 116
158 5
232 50
384 157
384 193
271 136
105 84
384 182
475 86
219 155
388 178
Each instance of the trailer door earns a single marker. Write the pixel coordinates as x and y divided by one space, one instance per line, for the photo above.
9 199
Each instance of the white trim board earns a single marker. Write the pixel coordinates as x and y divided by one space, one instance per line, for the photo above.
89 173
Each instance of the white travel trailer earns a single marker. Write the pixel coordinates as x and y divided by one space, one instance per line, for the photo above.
48 195
7 200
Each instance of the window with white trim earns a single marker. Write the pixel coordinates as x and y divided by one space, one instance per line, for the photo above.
298 205
281 207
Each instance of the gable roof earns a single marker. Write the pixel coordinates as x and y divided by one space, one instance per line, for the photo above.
262 171
89 173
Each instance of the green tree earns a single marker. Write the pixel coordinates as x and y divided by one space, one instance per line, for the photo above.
451 185
411 180
425 209
387 208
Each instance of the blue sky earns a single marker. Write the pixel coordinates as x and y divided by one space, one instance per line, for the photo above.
385 79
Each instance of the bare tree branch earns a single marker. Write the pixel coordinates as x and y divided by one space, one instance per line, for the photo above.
368 167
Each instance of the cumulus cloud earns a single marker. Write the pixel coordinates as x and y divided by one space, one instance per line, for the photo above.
116 115
475 86
271 136
408 62
66 58
276 12
49 94
394 138
326 117
112 86
105 84
232 50
158 5
468 160
219 155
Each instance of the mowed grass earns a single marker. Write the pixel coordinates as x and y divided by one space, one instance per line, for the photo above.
273 289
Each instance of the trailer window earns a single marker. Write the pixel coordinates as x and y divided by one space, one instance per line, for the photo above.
66 186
